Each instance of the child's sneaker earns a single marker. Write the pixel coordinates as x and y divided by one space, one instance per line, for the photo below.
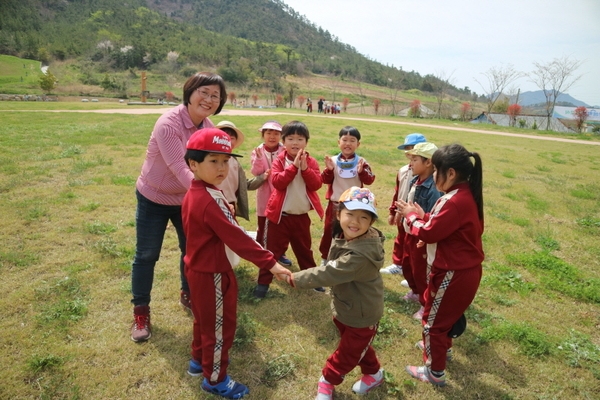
424 374
392 269
421 346
324 390
195 368
229 388
368 382
260 291
283 260
404 283
411 296
319 289
419 314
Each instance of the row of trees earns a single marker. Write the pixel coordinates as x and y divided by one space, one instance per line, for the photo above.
552 78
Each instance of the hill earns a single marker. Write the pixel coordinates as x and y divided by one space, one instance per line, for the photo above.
252 42
537 97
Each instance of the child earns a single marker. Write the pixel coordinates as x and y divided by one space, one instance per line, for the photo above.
235 187
452 232
296 179
401 191
352 271
261 160
424 193
213 241
341 172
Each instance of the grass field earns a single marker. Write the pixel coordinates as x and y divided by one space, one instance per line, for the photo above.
68 237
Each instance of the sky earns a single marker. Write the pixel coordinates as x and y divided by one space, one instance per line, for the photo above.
463 39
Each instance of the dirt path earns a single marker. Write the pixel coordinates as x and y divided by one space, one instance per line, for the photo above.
250 112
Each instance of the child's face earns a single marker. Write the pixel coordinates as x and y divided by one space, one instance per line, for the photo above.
233 139
354 223
294 143
406 149
421 166
213 169
348 145
271 137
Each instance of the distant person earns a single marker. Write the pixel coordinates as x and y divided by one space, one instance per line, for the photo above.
214 246
235 187
261 160
341 172
352 271
452 232
161 186
320 106
296 179
424 193
309 105
403 179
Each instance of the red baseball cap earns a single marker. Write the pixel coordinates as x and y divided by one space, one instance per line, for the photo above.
211 140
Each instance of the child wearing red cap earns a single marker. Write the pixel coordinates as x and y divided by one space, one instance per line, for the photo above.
214 242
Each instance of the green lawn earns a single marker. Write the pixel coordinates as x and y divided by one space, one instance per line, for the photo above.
68 236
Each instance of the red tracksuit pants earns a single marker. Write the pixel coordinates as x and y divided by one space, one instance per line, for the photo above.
416 272
398 249
354 349
214 305
448 295
292 230
326 239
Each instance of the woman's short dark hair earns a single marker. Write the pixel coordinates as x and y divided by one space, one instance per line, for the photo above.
204 79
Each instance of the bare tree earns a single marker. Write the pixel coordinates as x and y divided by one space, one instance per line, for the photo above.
554 78
498 79
440 83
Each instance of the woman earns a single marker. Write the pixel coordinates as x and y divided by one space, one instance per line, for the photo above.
161 186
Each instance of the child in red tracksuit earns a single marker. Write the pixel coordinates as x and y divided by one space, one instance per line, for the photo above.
403 179
296 178
425 194
341 172
213 241
452 232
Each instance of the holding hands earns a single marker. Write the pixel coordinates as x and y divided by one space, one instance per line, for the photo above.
282 273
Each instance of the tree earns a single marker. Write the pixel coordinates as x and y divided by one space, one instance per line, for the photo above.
300 100
231 96
498 78
415 108
376 104
581 115
465 108
514 110
345 102
47 82
440 84
554 78
254 99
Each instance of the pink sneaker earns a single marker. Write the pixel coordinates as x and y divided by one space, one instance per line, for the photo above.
410 296
325 390
419 314
424 374
368 382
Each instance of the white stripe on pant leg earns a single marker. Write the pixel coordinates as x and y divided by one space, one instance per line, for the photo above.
218 328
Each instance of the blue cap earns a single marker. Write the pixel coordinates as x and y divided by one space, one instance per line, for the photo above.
412 139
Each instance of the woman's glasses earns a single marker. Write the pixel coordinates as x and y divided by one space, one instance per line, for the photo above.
207 96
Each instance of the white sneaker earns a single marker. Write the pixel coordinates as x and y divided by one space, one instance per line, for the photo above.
324 390
323 262
404 283
392 269
368 382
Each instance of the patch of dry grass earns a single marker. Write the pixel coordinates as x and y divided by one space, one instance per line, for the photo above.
68 236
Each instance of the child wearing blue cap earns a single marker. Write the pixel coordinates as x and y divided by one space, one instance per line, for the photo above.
403 179
352 272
